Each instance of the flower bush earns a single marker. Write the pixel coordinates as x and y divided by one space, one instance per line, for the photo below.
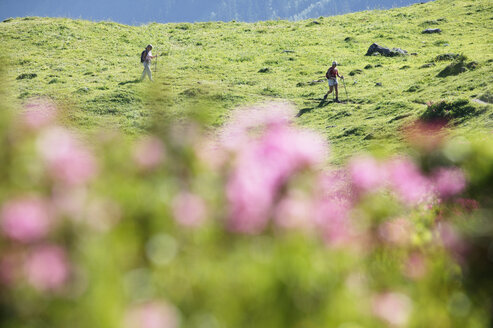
245 227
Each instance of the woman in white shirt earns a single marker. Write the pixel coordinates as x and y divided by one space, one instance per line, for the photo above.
147 63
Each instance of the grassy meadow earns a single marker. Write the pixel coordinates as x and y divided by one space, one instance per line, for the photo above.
93 69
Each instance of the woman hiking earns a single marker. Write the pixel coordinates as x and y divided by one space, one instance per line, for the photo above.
332 75
145 59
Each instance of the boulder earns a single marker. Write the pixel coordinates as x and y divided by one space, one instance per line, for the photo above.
377 49
398 52
432 30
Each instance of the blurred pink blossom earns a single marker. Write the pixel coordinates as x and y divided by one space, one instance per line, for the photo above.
154 314
264 165
397 232
335 184
250 191
333 221
68 160
211 154
366 173
26 219
70 202
47 268
394 308
332 208
149 153
467 204
294 211
246 123
407 181
451 240
102 214
415 266
426 136
449 181
189 209
39 113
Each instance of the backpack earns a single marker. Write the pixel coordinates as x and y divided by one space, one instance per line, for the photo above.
330 73
143 56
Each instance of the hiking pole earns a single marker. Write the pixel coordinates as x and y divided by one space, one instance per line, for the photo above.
155 63
347 97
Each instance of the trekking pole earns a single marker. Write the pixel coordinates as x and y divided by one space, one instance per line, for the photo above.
347 97
155 63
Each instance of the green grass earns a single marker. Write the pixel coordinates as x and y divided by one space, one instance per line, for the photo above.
92 68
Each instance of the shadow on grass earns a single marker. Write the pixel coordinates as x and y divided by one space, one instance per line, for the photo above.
323 103
129 82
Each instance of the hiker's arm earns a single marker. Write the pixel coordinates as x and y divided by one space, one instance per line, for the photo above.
340 76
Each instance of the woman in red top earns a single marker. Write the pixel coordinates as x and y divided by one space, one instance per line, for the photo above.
331 76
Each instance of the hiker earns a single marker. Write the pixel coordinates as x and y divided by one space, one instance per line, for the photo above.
145 59
331 76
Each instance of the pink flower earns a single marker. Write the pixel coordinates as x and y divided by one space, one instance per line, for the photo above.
426 136
394 308
25 219
449 182
397 232
263 166
467 204
451 240
405 178
294 211
335 184
102 214
38 114
245 123
250 191
68 160
149 153
366 173
154 314
332 219
189 209
332 208
47 268
415 266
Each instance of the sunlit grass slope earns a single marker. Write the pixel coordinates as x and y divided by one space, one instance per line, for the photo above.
93 67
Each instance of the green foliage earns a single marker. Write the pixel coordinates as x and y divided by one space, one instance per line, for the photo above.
27 76
126 248
445 110
457 67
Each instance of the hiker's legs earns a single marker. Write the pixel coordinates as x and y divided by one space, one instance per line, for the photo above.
147 71
337 92
329 92
143 72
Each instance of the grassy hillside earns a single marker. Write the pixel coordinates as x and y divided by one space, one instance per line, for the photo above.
94 66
